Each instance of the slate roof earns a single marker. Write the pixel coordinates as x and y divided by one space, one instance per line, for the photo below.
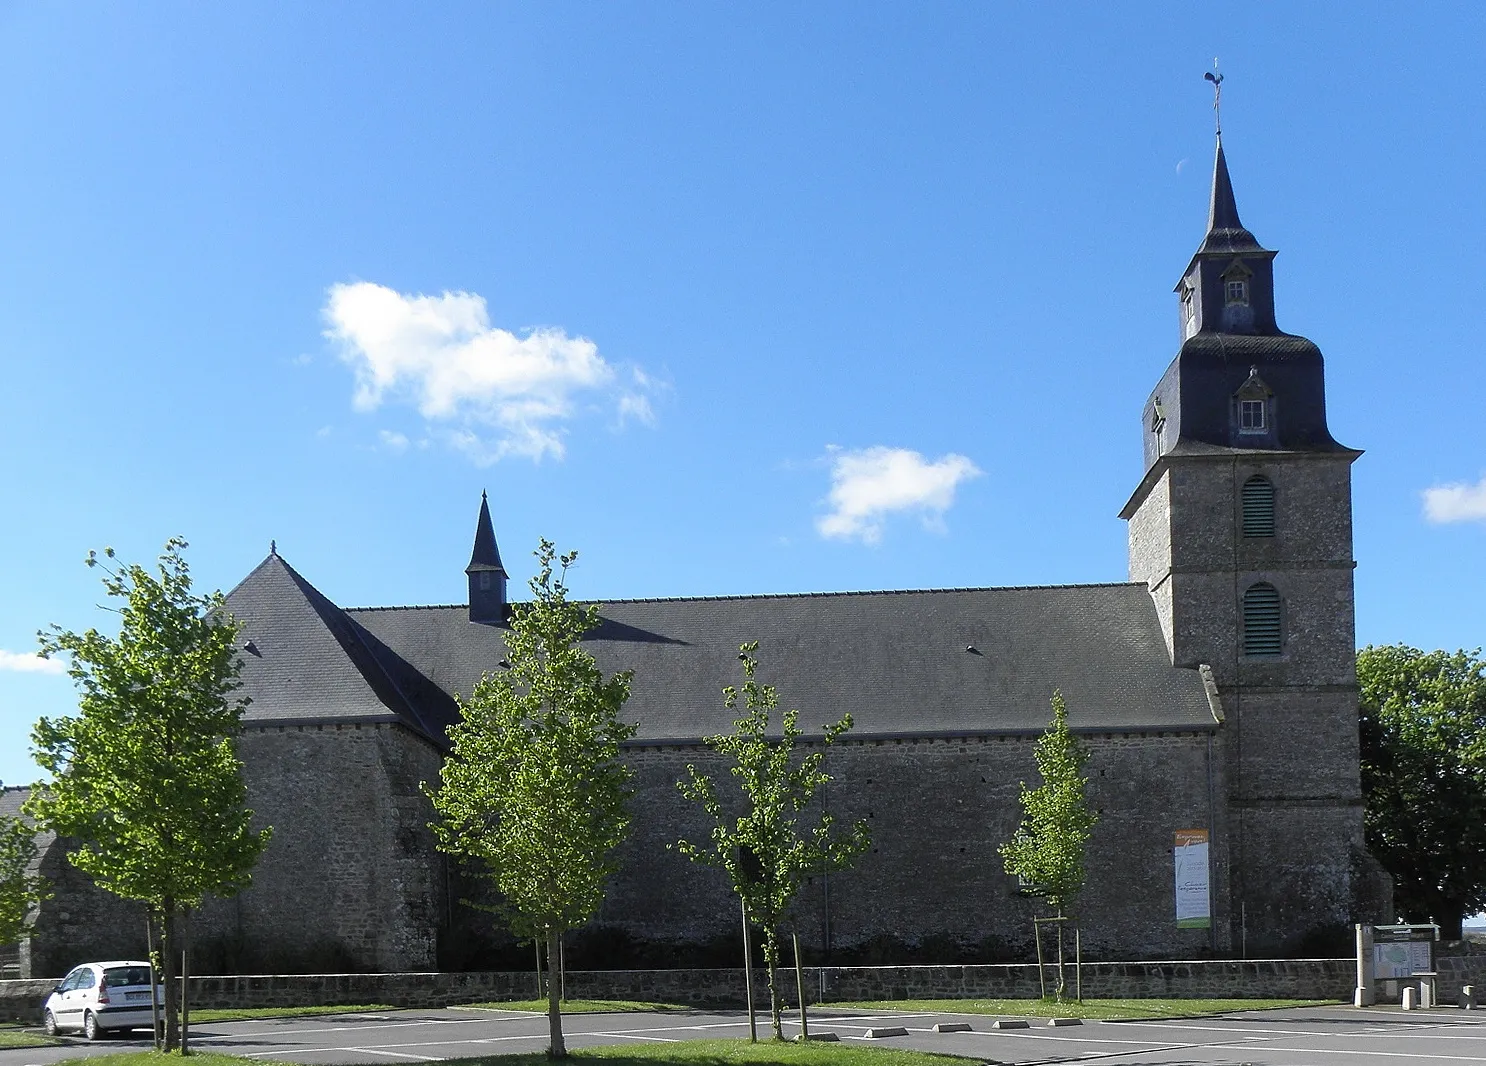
898 661
305 660
1225 233
485 555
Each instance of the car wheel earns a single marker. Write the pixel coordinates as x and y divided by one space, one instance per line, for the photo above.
91 1029
49 1023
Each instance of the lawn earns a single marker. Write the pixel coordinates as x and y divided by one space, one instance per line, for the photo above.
577 1006
11 1036
1106 1010
690 1053
280 1012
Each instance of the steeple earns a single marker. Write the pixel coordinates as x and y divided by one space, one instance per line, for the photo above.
487 576
1225 233
1228 287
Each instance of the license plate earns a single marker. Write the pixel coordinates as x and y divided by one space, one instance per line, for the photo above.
137 997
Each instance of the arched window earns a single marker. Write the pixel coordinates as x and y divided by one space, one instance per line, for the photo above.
1261 620
1258 507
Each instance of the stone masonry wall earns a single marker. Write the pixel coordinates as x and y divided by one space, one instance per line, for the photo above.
938 810
351 878
1324 979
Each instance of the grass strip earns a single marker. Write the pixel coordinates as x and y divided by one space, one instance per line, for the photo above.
251 1014
684 1053
579 1006
728 1053
1104 1010
13 1037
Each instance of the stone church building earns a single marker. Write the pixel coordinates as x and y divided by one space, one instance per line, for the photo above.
1215 689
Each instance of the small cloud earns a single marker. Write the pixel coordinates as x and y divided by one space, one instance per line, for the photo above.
30 663
302 359
869 485
489 392
395 442
1458 502
323 431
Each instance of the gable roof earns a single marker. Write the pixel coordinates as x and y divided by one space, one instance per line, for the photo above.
911 663
305 660
900 662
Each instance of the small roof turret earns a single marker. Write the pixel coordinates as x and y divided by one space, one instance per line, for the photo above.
486 555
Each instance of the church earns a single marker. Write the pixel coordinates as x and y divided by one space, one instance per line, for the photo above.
1215 690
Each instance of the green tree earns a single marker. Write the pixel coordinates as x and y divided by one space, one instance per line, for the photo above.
534 788
1047 850
20 890
146 776
1423 748
771 847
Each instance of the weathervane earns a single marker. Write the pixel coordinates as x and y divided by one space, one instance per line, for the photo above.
1217 80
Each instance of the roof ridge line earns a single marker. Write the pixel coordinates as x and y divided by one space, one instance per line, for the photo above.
784 595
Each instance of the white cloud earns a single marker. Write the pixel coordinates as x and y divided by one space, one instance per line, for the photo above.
395 442
869 485
30 663
493 392
1456 503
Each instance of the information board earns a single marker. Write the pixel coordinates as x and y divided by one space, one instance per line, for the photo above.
1400 951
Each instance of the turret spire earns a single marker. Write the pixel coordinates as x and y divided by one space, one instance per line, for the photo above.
487 576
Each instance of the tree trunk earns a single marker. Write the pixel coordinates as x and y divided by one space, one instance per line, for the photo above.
1452 922
169 944
556 1049
771 960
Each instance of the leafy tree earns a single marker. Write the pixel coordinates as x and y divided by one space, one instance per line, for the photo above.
19 889
534 787
1047 850
1423 748
146 777
770 849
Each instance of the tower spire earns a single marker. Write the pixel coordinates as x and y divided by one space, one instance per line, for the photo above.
487 575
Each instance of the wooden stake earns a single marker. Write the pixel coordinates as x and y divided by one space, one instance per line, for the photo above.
800 988
748 976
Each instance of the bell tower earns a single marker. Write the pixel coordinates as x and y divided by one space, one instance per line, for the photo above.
1241 527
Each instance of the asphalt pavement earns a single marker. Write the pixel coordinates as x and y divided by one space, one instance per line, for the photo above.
1312 1036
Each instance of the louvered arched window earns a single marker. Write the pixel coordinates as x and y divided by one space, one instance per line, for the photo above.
1261 620
1258 507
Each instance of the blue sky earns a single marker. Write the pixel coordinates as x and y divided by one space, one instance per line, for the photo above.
731 298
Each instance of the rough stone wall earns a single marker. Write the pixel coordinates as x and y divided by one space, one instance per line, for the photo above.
1264 978
351 878
80 921
1289 741
1150 551
938 810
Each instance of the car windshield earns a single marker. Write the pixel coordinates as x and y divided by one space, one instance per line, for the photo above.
121 976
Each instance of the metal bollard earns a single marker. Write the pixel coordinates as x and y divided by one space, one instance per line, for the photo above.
1410 998
1467 997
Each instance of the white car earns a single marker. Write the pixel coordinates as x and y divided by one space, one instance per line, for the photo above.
101 997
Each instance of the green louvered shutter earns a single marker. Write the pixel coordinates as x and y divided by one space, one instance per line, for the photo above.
1258 507
1261 621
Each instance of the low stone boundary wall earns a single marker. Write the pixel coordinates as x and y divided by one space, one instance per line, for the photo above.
1201 979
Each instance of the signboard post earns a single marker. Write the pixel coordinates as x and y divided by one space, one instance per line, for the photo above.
1193 896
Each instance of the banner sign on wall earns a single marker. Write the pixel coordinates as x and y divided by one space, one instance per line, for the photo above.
1193 900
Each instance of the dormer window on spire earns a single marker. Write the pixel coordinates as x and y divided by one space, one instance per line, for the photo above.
1236 284
1253 409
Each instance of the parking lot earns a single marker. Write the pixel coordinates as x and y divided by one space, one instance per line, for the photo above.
1294 1037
